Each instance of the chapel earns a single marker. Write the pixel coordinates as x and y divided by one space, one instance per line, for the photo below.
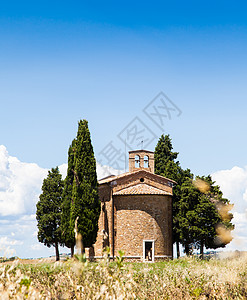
136 212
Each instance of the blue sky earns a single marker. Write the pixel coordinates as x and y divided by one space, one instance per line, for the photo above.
62 61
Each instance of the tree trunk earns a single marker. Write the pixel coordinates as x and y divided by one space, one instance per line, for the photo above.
57 252
187 249
72 249
201 250
82 248
178 251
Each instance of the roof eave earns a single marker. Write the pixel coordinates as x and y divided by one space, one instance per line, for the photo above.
130 173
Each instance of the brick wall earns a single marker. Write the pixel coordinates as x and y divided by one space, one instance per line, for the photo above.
143 217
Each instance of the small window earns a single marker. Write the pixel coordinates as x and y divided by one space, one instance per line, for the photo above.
142 179
146 161
137 161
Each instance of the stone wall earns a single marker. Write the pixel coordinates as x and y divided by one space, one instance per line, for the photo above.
143 217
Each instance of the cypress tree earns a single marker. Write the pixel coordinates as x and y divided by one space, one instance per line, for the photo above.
48 213
189 199
167 166
85 205
164 157
182 177
67 228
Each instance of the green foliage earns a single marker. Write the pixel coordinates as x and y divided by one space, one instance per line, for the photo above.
209 215
120 259
68 228
196 211
26 282
80 195
185 205
183 177
81 257
165 165
48 213
164 158
199 215
85 202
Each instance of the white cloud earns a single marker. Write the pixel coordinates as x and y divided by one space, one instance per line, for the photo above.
63 170
28 217
20 184
20 187
6 241
104 171
233 184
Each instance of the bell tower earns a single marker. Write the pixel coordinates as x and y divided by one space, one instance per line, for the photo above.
141 159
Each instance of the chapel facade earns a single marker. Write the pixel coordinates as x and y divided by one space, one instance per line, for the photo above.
136 212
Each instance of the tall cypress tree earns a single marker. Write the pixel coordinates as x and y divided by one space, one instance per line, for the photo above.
167 166
48 213
164 157
67 228
85 200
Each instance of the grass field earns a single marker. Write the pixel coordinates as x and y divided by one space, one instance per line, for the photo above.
186 278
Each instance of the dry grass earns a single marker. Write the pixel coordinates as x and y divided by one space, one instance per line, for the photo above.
186 278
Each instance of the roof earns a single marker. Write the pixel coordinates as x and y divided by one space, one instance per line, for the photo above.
107 177
141 189
133 151
113 178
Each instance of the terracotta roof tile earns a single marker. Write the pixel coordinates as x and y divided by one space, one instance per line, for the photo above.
141 189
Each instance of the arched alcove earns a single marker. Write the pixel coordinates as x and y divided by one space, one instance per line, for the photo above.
137 161
146 161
